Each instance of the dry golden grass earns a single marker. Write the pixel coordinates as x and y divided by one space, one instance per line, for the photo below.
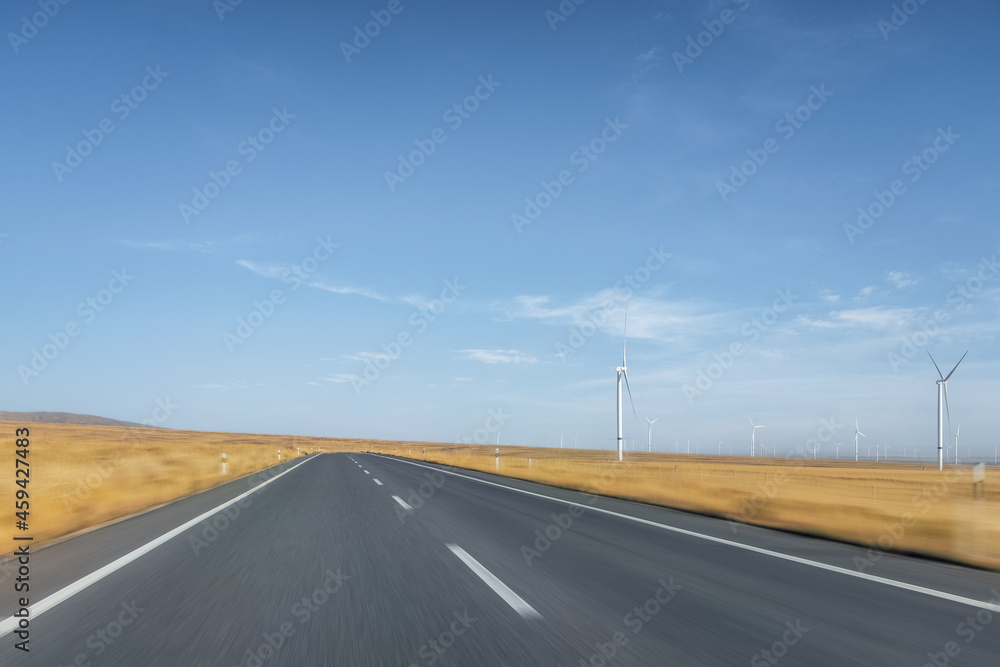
888 506
82 476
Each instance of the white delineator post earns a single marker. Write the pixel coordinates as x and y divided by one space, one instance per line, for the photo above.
223 463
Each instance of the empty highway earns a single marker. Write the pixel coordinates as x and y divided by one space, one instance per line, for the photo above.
360 559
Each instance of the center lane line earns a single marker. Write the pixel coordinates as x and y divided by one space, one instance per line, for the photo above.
377 482
500 588
403 503
923 590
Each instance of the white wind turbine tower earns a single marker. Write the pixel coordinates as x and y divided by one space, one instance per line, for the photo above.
649 432
753 433
957 431
942 406
857 432
837 445
622 375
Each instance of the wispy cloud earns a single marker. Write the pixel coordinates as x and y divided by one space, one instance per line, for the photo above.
900 279
172 246
498 356
278 271
648 317
339 378
871 318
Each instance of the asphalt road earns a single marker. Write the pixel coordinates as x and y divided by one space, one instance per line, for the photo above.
325 565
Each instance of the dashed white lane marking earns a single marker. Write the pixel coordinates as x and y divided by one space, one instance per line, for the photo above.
69 591
367 473
377 482
403 503
960 599
500 588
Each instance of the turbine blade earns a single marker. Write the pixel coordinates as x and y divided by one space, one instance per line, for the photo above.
956 366
625 338
947 410
751 421
630 396
940 374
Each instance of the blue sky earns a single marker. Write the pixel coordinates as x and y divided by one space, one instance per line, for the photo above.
493 185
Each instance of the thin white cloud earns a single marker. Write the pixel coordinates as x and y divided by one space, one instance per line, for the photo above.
871 318
339 378
646 57
498 356
899 279
263 270
829 296
172 246
347 291
648 318
279 271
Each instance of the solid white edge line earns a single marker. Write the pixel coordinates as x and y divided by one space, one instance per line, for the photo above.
500 588
69 591
377 482
403 503
739 545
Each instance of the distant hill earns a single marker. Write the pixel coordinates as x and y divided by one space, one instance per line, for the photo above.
65 418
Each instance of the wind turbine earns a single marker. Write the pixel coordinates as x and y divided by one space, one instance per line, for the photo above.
622 375
837 445
753 432
942 406
857 432
560 440
957 431
649 433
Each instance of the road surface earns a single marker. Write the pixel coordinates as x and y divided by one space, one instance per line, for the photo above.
360 559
